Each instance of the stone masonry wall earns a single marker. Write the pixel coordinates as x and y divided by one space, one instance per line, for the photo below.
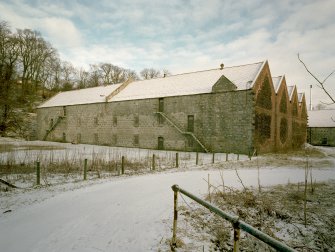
223 122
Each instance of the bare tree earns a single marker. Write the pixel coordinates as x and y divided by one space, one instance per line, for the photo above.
321 84
149 73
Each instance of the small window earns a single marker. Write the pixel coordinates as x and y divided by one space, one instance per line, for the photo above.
78 138
161 105
136 139
114 121
136 121
324 141
160 143
190 123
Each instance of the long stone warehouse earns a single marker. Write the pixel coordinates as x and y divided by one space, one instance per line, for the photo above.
236 109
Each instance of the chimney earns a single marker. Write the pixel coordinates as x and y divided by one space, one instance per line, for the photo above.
221 66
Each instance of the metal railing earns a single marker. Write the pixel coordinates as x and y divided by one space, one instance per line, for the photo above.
234 220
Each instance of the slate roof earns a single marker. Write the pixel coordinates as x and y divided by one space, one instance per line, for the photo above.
200 82
321 118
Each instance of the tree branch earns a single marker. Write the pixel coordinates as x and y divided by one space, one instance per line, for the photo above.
321 83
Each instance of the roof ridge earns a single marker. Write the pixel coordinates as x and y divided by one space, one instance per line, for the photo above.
201 71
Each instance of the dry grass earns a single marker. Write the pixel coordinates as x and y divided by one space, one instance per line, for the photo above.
277 211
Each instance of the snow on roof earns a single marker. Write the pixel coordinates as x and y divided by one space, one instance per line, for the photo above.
81 96
321 118
190 83
300 96
200 82
290 90
276 82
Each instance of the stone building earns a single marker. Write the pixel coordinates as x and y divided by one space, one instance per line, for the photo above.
236 109
321 127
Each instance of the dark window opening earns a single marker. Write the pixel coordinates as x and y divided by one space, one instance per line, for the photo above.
114 121
190 123
136 121
161 105
324 141
136 139
160 143
78 138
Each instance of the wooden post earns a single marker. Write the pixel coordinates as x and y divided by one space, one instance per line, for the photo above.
153 162
236 239
197 158
38 173
85 169
175 218
177 160
238 157
213 158
226 156
122 165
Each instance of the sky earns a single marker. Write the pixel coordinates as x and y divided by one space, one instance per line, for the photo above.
185 36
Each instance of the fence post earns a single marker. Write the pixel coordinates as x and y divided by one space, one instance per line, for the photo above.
213 158
175 218
236 238
85 169
153 162
197 158
177 160
238 157
122 164
38 173
226 156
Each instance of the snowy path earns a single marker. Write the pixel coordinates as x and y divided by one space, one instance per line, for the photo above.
127 214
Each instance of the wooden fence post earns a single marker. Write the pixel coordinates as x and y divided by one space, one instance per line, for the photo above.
236 238
197 158
226 156
122 165
238 157
175 218
38 173
213 158
177 160
153 162
85 169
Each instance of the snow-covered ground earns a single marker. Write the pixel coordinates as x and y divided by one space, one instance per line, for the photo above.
127 213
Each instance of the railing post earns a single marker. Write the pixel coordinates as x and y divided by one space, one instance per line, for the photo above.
236 238
177 160
213 158
85 169
197 158
38 173
175 217
122 165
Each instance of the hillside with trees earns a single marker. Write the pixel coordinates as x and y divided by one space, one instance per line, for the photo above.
32 71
